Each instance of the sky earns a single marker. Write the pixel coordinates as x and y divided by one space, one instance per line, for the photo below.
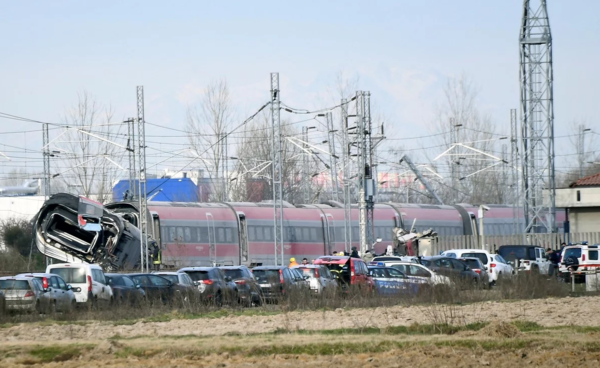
402 51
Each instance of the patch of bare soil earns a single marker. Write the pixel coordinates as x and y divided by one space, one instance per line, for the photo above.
542 311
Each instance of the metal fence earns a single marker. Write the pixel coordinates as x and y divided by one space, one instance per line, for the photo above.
492 242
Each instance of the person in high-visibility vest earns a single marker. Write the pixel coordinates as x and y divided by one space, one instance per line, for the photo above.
156 257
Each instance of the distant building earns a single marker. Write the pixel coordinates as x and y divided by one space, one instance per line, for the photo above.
582 202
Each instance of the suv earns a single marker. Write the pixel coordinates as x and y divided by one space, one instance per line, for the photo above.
248 290
419 272
212 283
348 271
584 258
319 278
59 294
277 282
451 267
87 281
183 284
530 258
495 266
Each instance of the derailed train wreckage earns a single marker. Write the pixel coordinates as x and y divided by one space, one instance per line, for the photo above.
76 229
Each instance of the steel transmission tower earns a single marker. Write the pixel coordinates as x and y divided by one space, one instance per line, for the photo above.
514 170
46 154
277 167
142 192
333 166
131 153
537 117
347 181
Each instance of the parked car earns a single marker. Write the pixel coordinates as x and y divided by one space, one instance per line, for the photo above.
320 279
87 280
183 283
495 265
56 291
454 269
391 282
348 271
529 258
24 294
213 285
476 265
419 272
157 288
411 259
2 303
125 290
277 282
248 290
582 257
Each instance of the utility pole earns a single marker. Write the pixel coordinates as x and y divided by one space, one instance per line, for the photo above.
142 192
514 162
306 177
537 117
277 167
581 149
131 153
46 156
224 168
333 167
347 181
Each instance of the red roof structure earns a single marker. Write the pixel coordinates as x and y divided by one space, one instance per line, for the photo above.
588 181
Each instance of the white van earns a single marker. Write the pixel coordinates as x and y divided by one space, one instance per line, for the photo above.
495 266
87 280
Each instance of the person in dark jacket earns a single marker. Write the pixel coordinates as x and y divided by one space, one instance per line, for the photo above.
354 253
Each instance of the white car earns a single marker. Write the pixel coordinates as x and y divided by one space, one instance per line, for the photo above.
319 278
87 281
526 258
587 261
495 266
418 272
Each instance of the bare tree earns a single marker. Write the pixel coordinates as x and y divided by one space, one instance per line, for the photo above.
89 162
459 120
207 127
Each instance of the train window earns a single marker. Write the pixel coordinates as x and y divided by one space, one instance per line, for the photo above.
269 233
251 233
305 234
202 234
355 233
259 233
291 233
179 235
228 235
220 235
313 234
171 233
187 234
163 230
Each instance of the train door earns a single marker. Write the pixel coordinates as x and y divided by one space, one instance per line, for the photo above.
243 236
212 242
326 243
331 233
156 233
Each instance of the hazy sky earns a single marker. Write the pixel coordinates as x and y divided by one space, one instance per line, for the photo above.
401 51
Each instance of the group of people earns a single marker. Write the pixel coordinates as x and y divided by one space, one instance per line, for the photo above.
353 254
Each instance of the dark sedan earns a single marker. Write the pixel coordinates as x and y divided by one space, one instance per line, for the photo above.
125 290
183 283
213 285
156 287
453 268
248 290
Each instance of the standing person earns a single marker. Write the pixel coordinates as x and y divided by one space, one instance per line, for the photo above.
354 253
551 255
293 262
304 261
155 257
368 257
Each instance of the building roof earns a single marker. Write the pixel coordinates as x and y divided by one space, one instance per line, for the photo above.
588 181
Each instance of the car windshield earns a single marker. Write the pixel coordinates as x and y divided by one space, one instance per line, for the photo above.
512 253
267 276
234 274
198 275
173 278
115 280
572 252
472 263
70 275
307 271
14 285
426 262
482 256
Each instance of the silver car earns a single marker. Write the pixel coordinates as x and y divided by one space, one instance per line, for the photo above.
60 296
23 294
320 279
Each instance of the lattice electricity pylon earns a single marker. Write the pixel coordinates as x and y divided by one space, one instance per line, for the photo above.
333 164
131 155
346 171
46 154
142 191
537 117
514 166
277 169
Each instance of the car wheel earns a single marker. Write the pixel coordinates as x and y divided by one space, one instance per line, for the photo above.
219 299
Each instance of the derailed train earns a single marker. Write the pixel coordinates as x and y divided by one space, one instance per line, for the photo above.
242 233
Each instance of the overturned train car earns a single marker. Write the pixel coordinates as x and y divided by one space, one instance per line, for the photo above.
76 229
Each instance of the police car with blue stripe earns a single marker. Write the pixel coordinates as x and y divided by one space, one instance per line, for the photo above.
389 281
